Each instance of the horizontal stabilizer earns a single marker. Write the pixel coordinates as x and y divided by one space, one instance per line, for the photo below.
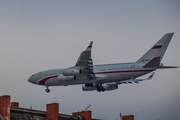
166 67
153 63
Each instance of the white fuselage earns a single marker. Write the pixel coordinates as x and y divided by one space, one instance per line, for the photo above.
106 73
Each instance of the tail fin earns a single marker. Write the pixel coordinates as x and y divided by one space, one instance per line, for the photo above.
153 56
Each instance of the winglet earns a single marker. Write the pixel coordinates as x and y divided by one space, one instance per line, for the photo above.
90 46
151 76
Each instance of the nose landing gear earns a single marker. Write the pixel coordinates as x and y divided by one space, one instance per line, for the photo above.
47 89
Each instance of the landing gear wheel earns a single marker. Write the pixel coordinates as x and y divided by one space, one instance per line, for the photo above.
89 85
47 90
100 88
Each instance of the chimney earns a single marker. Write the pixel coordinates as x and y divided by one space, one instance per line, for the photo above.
52 111
128 117
5 106
87 115
15 104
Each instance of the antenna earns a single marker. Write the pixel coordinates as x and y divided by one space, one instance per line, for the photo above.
87 107
79 112
120 116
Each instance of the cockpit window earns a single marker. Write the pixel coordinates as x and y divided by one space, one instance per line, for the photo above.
32 77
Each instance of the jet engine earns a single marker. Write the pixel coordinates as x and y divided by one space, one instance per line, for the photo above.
71 72
61 77
84 88
107 87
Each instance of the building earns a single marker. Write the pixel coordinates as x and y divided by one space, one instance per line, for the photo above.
12 111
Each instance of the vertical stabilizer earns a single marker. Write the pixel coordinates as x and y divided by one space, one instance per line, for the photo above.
154 55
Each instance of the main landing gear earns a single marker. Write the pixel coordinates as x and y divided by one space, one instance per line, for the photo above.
47 89
100 88
89 85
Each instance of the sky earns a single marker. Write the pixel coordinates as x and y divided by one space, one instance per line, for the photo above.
41 35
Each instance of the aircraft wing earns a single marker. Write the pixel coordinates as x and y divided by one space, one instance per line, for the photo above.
130 81
86 63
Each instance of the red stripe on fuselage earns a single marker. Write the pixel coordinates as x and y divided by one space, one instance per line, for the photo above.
43 81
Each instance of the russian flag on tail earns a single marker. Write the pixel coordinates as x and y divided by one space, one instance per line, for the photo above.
157 46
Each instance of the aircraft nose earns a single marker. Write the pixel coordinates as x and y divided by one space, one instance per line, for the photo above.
32 79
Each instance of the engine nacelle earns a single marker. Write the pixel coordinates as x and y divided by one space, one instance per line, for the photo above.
61 77
71 72
84 88
107 87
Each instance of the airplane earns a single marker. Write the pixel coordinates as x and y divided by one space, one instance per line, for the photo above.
104 77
